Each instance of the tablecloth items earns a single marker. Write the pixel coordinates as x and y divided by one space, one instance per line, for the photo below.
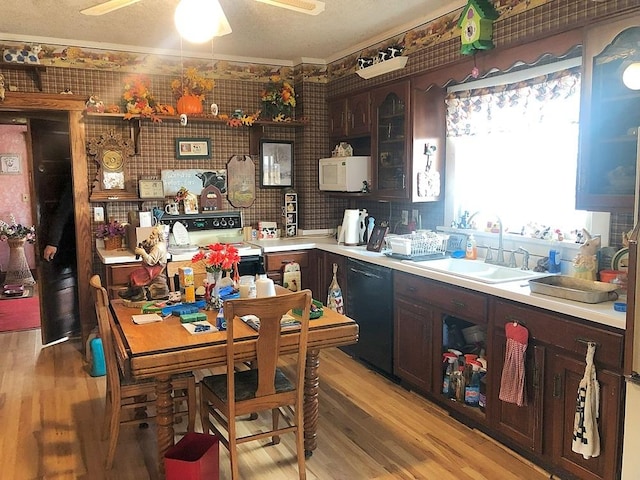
586 439
512 383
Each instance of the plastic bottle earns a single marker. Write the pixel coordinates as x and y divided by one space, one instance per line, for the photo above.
472 248
221 322
482 397
449 359
98 367
472 390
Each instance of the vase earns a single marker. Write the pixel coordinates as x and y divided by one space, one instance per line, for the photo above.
214 302
190 104
18 271
271 111
112 243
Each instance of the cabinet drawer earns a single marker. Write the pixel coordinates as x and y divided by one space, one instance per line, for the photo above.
458 301
275 261
562 332
119 274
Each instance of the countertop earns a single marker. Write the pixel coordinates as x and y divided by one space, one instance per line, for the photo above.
518 291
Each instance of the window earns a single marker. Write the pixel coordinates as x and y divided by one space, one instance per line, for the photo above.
512 149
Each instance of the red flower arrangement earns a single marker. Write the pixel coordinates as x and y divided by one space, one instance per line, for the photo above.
218 257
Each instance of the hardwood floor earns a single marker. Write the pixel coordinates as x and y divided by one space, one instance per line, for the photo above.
51 413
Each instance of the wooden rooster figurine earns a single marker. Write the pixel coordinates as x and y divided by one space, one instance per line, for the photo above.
585 264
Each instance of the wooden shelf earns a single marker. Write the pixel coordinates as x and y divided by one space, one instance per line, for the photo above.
204 118
36 70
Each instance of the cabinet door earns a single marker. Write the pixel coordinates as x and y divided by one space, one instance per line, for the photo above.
359 115
325 275
562 387
521 424
275 262
413 349
118 277
390 141
338 118
609 119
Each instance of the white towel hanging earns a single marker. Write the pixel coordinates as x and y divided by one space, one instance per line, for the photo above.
586 439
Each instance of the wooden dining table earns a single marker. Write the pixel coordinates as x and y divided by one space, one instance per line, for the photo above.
160 350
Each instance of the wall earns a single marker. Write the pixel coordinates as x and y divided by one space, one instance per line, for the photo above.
13 187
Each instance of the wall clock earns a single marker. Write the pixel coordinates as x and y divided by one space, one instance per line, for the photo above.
112 153
476 26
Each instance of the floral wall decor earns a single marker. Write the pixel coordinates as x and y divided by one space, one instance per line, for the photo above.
278 100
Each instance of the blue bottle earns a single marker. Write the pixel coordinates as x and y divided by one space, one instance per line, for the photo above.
98 368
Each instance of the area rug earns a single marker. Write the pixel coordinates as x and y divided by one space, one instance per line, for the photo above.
20 313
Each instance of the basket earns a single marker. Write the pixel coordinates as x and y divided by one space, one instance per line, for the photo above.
112 243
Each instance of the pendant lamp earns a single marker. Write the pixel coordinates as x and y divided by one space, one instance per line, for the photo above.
198 21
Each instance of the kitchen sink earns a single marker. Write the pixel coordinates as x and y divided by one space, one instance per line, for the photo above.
477 270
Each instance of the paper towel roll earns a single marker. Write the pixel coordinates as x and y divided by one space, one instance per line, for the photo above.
350 232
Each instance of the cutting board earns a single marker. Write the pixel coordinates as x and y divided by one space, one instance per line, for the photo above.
241 181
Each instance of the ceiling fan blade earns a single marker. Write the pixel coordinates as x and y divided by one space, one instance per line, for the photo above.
107 7
310 7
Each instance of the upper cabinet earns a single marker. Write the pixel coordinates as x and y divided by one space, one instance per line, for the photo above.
609 118
390 141
350 117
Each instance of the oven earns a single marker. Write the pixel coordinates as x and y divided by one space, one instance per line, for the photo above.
212 227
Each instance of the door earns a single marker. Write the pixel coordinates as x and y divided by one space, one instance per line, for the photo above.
57 278
413 350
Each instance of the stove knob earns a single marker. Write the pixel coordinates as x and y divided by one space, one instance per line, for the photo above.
231 223
216 223
223 223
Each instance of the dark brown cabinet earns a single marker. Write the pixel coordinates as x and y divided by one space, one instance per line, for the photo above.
274 264
325 261
350 116
390 141
117 277
609 118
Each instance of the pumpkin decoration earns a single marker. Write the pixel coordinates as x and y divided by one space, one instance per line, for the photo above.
190 104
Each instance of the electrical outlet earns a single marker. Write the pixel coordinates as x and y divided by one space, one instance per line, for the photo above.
98 214
405 217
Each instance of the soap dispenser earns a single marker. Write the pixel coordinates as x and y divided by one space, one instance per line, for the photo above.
472 248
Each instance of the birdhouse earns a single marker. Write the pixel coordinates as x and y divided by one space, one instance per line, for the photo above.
476 24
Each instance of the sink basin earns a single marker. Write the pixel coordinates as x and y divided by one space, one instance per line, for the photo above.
477 270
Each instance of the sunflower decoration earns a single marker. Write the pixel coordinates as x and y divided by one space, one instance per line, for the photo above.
192 84
278 99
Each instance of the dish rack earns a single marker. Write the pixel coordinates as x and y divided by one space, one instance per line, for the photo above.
418 246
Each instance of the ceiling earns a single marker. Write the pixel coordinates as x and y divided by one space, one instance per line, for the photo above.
261 32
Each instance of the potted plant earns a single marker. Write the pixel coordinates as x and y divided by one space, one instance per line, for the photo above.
111 233
189 91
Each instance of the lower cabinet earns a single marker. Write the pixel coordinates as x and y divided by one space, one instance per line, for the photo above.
274 264
117 277
324 262
425 314
413 348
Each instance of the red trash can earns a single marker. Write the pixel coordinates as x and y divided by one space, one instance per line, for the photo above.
194 457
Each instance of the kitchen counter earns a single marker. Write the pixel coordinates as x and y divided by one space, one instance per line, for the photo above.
518 291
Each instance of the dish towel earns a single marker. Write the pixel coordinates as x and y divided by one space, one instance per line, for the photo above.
512 383
586 439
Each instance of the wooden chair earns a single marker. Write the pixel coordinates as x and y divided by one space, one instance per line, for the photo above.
266 387
127 395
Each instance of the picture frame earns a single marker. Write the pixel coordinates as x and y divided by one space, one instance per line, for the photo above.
376 241
10 163
193 148
276 163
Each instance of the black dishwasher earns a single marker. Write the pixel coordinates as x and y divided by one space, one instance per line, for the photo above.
370 304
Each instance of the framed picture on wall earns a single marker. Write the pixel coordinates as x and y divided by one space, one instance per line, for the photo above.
10 163
276 163
192 148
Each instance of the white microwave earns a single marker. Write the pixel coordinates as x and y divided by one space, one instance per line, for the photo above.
344 174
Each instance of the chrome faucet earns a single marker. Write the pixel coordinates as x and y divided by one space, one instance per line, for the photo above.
500 256
525 258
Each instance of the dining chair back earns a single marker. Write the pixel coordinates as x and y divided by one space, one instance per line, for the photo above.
127 400
268 385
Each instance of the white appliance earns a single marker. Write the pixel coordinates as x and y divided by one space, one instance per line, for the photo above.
344 174
350 231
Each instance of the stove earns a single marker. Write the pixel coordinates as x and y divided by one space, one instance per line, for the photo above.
207 228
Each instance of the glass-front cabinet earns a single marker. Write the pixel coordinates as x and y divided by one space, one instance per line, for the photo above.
390 141
609 118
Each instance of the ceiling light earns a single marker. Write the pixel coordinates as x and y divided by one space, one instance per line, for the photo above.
310 7
631 76
198 21
107 7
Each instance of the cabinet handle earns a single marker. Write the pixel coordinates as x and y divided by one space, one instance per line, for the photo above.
458 303
514 319
535 381
557 386
404 177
